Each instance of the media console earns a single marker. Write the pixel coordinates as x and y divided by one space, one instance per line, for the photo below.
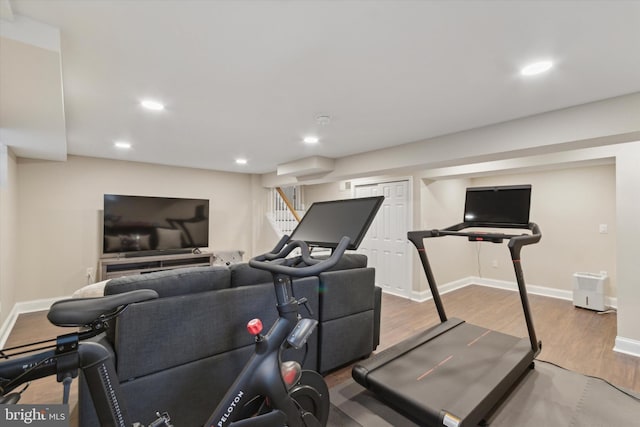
109 268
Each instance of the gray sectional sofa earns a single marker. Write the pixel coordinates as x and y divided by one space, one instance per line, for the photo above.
181 352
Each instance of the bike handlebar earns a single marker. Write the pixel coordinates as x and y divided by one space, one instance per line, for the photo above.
273 261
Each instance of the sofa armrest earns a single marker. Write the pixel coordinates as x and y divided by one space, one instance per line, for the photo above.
348 315
346 292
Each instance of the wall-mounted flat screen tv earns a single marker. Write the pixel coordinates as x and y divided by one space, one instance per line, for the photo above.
501 206
140 224
325 223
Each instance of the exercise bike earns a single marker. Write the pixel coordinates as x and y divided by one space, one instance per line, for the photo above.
268 392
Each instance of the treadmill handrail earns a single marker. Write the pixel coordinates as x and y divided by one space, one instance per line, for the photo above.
516 242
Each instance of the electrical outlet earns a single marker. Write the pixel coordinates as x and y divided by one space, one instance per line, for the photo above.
494 263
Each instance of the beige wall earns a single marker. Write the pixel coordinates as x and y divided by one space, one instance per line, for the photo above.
329 191
628 242
442 205
569 205
8 222
59 209
264 234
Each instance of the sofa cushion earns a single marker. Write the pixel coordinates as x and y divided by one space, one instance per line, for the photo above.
243 274
347 262
345 339
346 292
168 283
196 326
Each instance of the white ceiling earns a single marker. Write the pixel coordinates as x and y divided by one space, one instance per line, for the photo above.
248 78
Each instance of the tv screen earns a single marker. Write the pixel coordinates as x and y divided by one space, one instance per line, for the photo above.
504 205
325 223
140 223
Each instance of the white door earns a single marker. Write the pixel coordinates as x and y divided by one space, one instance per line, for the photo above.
386 244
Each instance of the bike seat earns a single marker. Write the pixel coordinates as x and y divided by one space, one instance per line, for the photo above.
83 311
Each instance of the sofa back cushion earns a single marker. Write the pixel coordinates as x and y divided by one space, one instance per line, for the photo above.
169 283
348 262
167 332
243 274
159 334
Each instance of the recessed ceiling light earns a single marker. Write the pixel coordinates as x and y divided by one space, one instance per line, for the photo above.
123 145
310 139
536 68
150 104
241 161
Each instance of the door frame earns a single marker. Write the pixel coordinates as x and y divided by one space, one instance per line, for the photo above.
386 180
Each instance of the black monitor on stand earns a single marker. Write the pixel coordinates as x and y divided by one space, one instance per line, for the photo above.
325 223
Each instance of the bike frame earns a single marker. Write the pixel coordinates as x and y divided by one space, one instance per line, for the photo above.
96 363
261 375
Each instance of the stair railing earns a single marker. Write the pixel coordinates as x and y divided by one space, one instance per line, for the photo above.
283 214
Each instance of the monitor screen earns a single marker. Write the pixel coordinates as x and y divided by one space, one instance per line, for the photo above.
325 223
503 205
142 223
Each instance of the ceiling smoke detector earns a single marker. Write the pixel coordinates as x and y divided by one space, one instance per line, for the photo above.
323 120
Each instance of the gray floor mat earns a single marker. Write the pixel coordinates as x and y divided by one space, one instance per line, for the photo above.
547 396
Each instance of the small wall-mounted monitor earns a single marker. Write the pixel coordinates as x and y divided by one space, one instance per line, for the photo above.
325 223
500 206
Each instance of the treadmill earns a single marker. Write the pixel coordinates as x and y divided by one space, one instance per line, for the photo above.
454 373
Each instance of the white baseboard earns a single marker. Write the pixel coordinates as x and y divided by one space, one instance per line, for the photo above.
397 294
627 346
21 308
492 283
448 287
545 291
532 289
7 326
622 345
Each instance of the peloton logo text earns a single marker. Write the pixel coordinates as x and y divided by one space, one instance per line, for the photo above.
231 408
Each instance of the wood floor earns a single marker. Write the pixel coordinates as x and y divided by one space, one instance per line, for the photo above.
577 339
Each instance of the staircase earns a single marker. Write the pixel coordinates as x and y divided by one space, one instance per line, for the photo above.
285 209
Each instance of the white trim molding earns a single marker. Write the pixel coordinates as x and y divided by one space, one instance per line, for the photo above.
421 296
627 346
21 308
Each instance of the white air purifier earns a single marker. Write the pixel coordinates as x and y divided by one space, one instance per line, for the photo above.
588 290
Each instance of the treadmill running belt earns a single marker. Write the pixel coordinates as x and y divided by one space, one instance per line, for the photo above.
453 372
